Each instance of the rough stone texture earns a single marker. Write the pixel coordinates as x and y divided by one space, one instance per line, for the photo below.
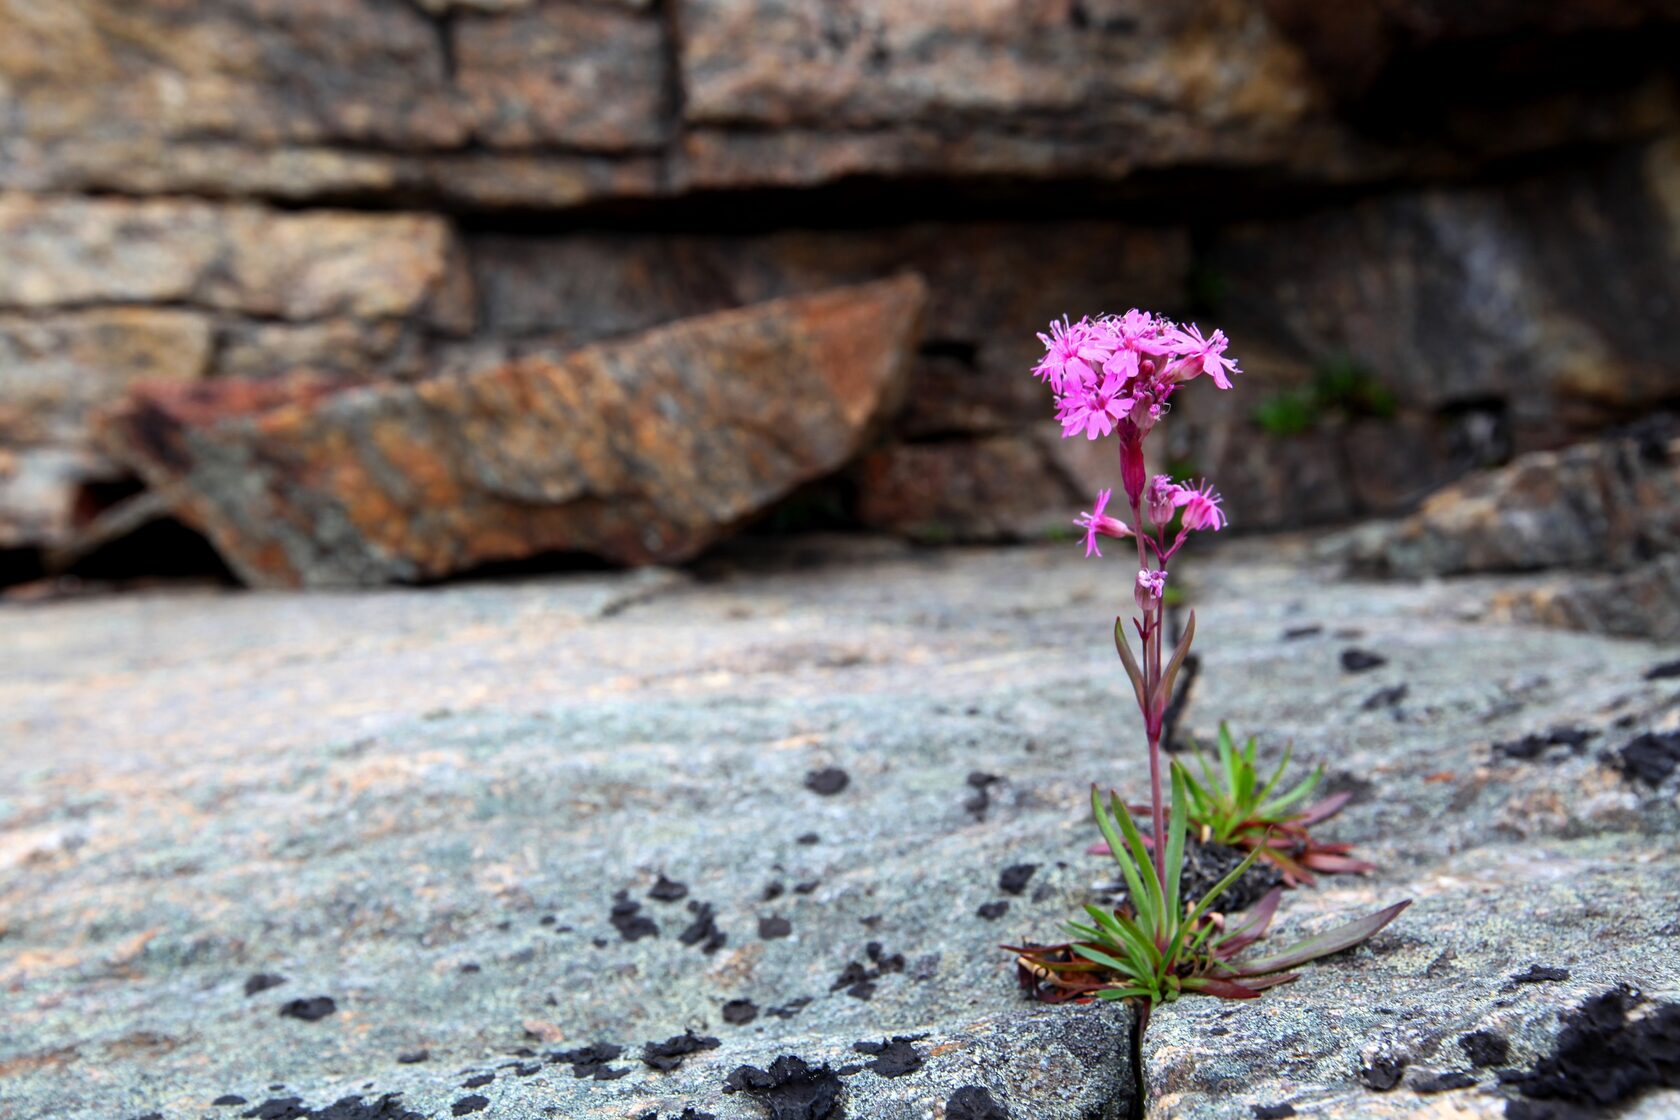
1495 319
990 488
1604 506
356 791
647 449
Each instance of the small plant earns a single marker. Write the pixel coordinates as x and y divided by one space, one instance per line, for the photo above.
1232 806
1154 949
1115 376
1340 387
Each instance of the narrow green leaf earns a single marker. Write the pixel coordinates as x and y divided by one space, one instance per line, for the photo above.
1277 775
1163 688
1323 944
1136 674
1119 850
1151 905
1124 968
1177 823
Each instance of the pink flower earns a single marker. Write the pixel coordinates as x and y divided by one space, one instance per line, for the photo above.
1200 355
1092 409
1163 497
1095 523
1201 508
1151 585
1073 354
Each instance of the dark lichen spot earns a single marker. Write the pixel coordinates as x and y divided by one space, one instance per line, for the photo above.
668 890
790 1089
467 1105
808 838
1295 633
1273 1111
894 1057
309 1010
591 1061
1602 1060
1382 1073
789 1009
769 929
1532 747
1015 877
1485 1048
828 781
703 931
1385 698
227 1099
626 917
262 982
478 1082
807 887
387 1107
740 1012
1650 757
668 1055
1541 974
1442 1082
1355 660
992 911
974 1102
981 799
1665 671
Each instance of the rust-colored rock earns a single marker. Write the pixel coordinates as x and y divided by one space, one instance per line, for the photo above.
644 450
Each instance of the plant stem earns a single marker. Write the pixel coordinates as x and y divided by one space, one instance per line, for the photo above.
1152 729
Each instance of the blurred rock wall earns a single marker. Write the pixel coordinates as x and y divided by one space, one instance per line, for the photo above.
1438 233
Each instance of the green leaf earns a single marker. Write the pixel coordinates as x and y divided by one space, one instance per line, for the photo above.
1153 900
1163 689
1124 968
1323 944
1118 849
1177 823
1277 775
1126 993
1125 649
1126 934
1276 805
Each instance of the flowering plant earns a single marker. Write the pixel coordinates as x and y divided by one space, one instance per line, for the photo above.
1115 376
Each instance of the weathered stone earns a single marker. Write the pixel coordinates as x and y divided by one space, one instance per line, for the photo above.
1599 507
351 350
1642 602
564 75
467 775
237 258
651 448
55 369
985 489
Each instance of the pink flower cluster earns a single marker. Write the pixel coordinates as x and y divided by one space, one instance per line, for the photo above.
1200 506
1121 369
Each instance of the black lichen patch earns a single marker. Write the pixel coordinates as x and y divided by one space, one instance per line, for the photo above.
1544 744
974 1102
807 839
981 799
774 927
1541 974
1295 633
1485 1048
668 1055
807 887
1650 757
1015 877
668 890
1382 1073
1668 670
309 1010
227 1099
740 1012
1442 1082
262 982
859 979
1356 660
703 931
992 911
1603 1059
828 781
468 1105
1206 864
790 1089
1273 1111
894 1057
626 917
1385 698
387 1107
479 1081
789 1009
592 1061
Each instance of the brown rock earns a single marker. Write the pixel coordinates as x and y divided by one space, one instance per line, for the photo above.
640 451
237 258
566 75
55 369
1605 506
1643 602
987 489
